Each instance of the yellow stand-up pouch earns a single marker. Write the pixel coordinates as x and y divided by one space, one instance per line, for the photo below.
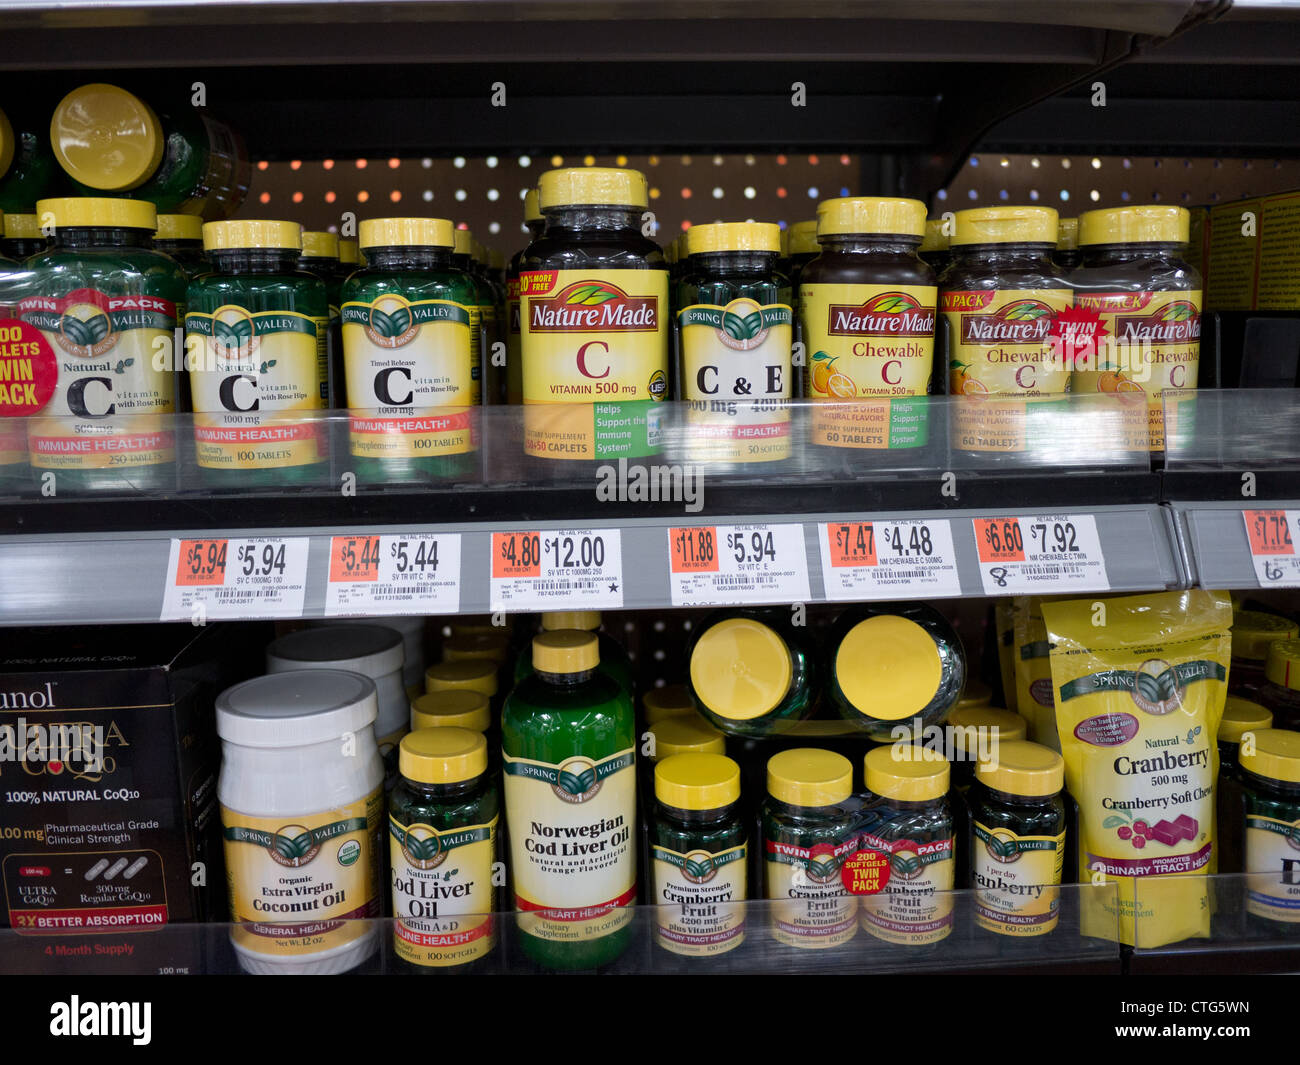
1034 692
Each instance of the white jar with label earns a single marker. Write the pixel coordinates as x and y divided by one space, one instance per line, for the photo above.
411 626
302 803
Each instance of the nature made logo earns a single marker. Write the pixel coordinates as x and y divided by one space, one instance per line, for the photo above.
823 864
585 306
577 781
1026 321
1002 846
887 314
698 868
389 323
1174 323
422 847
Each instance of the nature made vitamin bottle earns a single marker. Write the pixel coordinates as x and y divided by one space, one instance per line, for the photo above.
410 326
28 171
1000 297
614 661
180 237
443 841
934 245
1280 691
109 141
1240 716
302 806
22 237
908 819
593 301
699 853
1147 301
320 256
809 828
256 339
867 307
105 304
1067 255
569 752
1270 782
535 223
736 327
1017 846
1253 631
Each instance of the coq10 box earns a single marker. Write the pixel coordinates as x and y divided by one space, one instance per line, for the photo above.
109 828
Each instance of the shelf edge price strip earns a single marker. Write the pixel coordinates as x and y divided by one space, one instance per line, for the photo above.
719 565
1040 554
215 578
374 574
885 559
1272 535
557 569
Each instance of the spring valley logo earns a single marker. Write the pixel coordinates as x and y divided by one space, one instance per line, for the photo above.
422 847
577 781
389 323
741 325
905 861
86 331
234 334
1027 321
887 314
698 867
823 864
293 846
1156 689
1155 686
592 306
1002 846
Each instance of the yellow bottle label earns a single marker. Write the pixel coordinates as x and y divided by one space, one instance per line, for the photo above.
915 907
811 907
514 345
736 372
443 898
303 885
572 852
248 371
699 899
1273 865
1017 881
595 355
115 376
412 377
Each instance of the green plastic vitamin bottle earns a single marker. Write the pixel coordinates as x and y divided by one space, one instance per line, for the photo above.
180 237
1270 781
410 320
28 171
320 256
569 752
484 302
256 334
535 224
614 661
22 237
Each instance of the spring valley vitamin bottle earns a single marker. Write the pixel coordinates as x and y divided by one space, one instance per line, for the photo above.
1280 692
1253 631
569 748
106 304
1017 846
977 732
736 327
410 327
1067 255
803 249
808 830
320 256
614 661
867 307
699 850
22 237
535 223
1270 781
443 840
934 246
453 708
1240 716
908 819
476 675
302 817
180 237
1148 300
463 260
349 256
684 735
28 171
593 297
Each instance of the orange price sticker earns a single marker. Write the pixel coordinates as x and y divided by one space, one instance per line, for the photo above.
999 540
1269 532
354 558
201 563
516 554
695 549
865 872
851 543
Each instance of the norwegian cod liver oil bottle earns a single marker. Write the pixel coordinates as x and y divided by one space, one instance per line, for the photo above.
256 337
569 753
535 223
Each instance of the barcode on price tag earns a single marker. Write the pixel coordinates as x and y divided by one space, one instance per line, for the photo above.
565 569
888 559
1272 535
411 573
717 565
235 578
1042 555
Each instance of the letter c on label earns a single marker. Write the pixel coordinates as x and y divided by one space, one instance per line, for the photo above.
1021 374
383 389
1178 376
885 371
582 359
227 392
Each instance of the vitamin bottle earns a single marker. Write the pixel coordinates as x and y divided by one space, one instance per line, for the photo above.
28 171
106 304
256 338
934 245
736 328
1280 692
180 237
1240 716
614 661
909 820
452 708
410 324
1252 633
1017 844
803 249
110 142
683 735
476 675
493 647
672 700
411 627
867 307
699 854
443 843
593 295
1067 255
569 752
809 828
320 256
302 816
14 472
22 237
349 257
1148 300
977 731
1270 782
463 260
535 223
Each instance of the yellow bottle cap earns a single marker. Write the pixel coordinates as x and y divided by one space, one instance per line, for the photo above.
733 236
871 214
463 242
106 137
803 238
888 667
1276 755
1067 234
976 693
906 774
178 227
349 253
809 776
672 700
532 212
226 236
740 669
490 646
686 735
1004 225
471 674
785 243
595 186
452 708
1254 630
586 620
1241 716
1135 225
318 244
670 252
566 651
406 233
442 755
6 144
1282 666
496 259
697 781
478 251
1007 725
1021 768
23 227
73 211
935 238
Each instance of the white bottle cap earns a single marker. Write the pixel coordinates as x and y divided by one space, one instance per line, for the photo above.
372 650
296 709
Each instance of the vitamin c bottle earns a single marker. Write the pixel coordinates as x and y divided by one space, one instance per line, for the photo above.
1067 255
1270 781
934 245
180 237
536 223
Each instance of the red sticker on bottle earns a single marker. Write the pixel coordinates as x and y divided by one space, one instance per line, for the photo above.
29 371
865 872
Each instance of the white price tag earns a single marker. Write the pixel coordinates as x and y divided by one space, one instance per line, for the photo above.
718 565
411 573
1041 555
1272 546
236 578
888 559
565 569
